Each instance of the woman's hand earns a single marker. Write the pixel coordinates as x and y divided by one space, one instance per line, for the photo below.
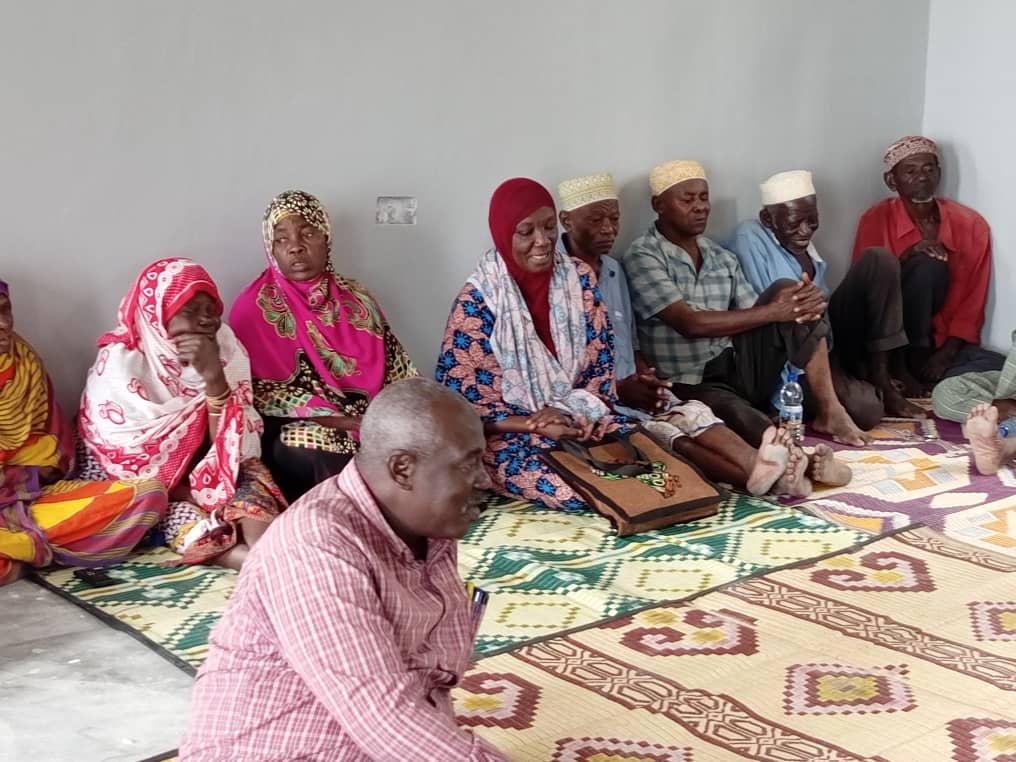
201 351
549 416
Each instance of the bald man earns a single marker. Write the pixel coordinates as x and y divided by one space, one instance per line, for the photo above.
349 625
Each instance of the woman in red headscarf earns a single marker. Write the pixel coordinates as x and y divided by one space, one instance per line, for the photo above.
170 398
528 343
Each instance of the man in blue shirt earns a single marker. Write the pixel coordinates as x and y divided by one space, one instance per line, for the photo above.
865 311
590 216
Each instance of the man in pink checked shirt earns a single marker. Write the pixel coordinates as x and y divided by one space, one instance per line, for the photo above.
349 624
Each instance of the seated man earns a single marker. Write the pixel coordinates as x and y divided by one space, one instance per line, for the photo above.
349 624
703 325
590 215
991 451
954 398
865 310
944 250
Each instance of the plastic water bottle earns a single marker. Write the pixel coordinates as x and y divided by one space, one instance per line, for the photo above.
1007 428
791 406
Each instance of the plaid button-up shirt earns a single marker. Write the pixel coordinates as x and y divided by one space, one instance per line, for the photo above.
661 273
337 644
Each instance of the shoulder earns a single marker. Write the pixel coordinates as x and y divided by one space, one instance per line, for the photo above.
747 237
646 244
970 216
718 253
347 283
880 210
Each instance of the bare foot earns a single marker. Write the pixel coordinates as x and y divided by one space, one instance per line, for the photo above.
981 429
793 482
898 406
823 467
910 386
838 425
770 463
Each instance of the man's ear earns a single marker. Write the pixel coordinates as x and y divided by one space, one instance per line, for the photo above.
565 219
890 181
655 201
402 468
765 218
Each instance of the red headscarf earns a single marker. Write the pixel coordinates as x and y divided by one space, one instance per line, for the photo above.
512 202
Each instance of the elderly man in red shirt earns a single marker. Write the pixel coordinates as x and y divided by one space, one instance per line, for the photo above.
945 265
349 624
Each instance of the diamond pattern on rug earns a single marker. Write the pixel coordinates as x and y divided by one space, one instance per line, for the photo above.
841 689
983 740
993 621
613 750
782 667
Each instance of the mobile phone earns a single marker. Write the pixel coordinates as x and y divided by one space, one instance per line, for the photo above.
95 577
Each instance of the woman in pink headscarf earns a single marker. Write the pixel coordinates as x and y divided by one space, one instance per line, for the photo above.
320 347
528 343
169 398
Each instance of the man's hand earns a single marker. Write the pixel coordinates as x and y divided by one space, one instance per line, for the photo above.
802 302
644 390
933 249
941 360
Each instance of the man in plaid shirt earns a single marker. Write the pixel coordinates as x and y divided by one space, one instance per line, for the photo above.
349 624
703 326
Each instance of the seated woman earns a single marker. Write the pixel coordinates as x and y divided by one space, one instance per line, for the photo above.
44 519
320 347
527 342
169 398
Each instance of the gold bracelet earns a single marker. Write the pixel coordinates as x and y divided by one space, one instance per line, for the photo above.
218 402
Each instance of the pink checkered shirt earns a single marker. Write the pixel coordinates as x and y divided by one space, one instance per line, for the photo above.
337 644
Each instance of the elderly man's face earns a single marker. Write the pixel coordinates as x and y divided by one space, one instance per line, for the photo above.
793 223
685 207
592 228
916 178
448 482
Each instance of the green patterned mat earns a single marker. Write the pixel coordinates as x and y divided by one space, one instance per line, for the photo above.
547 573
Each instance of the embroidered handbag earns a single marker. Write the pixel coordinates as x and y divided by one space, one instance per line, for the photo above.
634 482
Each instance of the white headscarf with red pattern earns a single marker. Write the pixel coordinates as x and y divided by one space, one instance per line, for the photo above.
143 415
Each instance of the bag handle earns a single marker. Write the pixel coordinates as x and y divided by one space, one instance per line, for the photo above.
638 463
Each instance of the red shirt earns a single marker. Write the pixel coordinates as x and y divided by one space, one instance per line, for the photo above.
965 234
337 644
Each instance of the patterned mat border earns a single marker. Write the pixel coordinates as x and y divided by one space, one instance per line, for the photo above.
699 594
116 624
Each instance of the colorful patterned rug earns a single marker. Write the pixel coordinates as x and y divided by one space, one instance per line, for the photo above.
902 650
922 472
547 573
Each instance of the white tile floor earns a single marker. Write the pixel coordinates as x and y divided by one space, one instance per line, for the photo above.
74 689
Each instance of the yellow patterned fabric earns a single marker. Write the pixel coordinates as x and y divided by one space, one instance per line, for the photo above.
904 649
25 435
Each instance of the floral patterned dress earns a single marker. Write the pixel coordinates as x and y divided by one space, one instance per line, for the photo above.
468 364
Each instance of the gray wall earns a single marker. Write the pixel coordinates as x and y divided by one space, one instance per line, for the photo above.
137 129
969 109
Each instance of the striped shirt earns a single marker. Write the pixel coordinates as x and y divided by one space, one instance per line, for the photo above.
337 644
661 273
